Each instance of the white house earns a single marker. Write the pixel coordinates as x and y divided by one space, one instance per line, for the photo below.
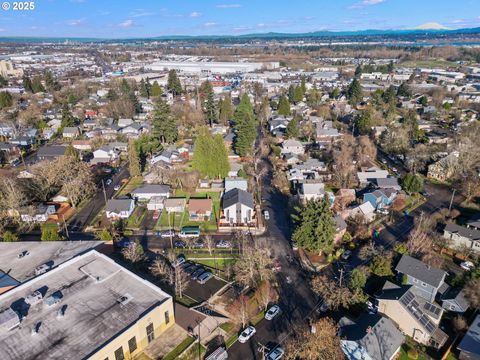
235 183
156 203
119 208
149 191
41 214
105 154
292 146
312 191
71 132
238 207
175 205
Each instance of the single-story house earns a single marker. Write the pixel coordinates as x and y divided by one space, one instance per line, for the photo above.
371 175
105 155
454 300
292 146
238 207
311 191
199 209
462 237
147 191
235 183
370 337
175 205
119 208
42 212
70 132
388 183
365 210
156 203
51 152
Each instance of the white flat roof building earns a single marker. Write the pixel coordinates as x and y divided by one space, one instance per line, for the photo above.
215 67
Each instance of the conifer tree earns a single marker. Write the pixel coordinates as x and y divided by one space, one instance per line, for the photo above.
133 159
164 123
283 106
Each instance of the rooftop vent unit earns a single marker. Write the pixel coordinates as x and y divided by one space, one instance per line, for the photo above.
23 254
42 269
125 299
36 328
34 298
61 312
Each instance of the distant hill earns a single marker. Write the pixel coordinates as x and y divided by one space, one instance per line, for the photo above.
432 29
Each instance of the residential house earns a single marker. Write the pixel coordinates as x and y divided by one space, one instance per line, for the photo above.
156 203
133 130
292 159
235 183
462 237
371 175
426 279
365 210
228 140
474 223
380 198
124 122
23 141
71 132
453 299
444 168
414 315
119 208
89 123
311 165
238 207
325 132
52 152
340 228
235 167
292 146
388 183
166 156
311 191
147 191
105 155
82 145
199 209
370 337
41 214
175 205
469 347
47 133
278 125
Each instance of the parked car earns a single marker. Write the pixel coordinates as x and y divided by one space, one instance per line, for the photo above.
275 354
169 233
191 269
156 215
186 264
223 244
246 334
179 244
346 254
467 265
266 215
202 279
197 273
180 260
288 279
272 312
371 307
382 211
108 182
199 244
117 187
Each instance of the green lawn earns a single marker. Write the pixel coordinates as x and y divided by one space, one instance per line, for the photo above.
219 264
177 221
135 220
404 355
130 186
187 301
433 63
179 349
231 340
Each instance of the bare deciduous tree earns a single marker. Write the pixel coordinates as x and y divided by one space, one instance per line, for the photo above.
323 343
162 269
472 293
134 252
209 243
181 281
266 294
240 310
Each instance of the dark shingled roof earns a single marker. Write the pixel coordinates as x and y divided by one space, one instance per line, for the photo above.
463 231
377 334
51 151
470 343
421 271
235 196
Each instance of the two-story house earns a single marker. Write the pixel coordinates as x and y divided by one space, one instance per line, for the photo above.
238 207
462 237
380 198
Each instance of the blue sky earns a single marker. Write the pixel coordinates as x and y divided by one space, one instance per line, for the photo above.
149 18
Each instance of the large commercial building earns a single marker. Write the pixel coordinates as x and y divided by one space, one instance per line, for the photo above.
194 65
88 307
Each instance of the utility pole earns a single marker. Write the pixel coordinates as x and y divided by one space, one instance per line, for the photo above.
341 277
104 192
451 200
262 349
65 225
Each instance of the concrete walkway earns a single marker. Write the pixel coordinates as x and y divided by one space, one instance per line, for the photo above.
166 342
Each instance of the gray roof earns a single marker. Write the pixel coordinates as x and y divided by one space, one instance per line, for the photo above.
375 333
390 182
457 295
151 189
421 271
463 231
51 151
236 196
118 205
91 286
470 343
39 253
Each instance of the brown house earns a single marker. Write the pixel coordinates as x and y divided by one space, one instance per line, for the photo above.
199 209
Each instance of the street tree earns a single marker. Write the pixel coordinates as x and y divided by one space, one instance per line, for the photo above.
245 126
412 183
354 91
164 124
266 294
225 109
173 83
315 227
134 252
240 310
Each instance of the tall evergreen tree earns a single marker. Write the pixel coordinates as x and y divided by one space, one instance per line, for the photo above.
225 109
354 92
222 166
291 93
210 158
27 84
133 159
67 118
164 123
3 81
303 86
173 83
298 96
315 230
156 90
6 99
292 128
404 90
210 109
283 106
71 152
37 84
245 126
358 71
144 88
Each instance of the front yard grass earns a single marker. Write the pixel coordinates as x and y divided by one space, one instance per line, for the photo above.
219 264
175 353
130 186
404 354
135 220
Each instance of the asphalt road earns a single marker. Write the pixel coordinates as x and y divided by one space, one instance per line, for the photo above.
86 215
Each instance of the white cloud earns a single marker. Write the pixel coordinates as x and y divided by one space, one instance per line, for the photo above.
141 13
77 1
195 14
261 25
75 22
126 24
365 3
210 24
2 30
229 6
